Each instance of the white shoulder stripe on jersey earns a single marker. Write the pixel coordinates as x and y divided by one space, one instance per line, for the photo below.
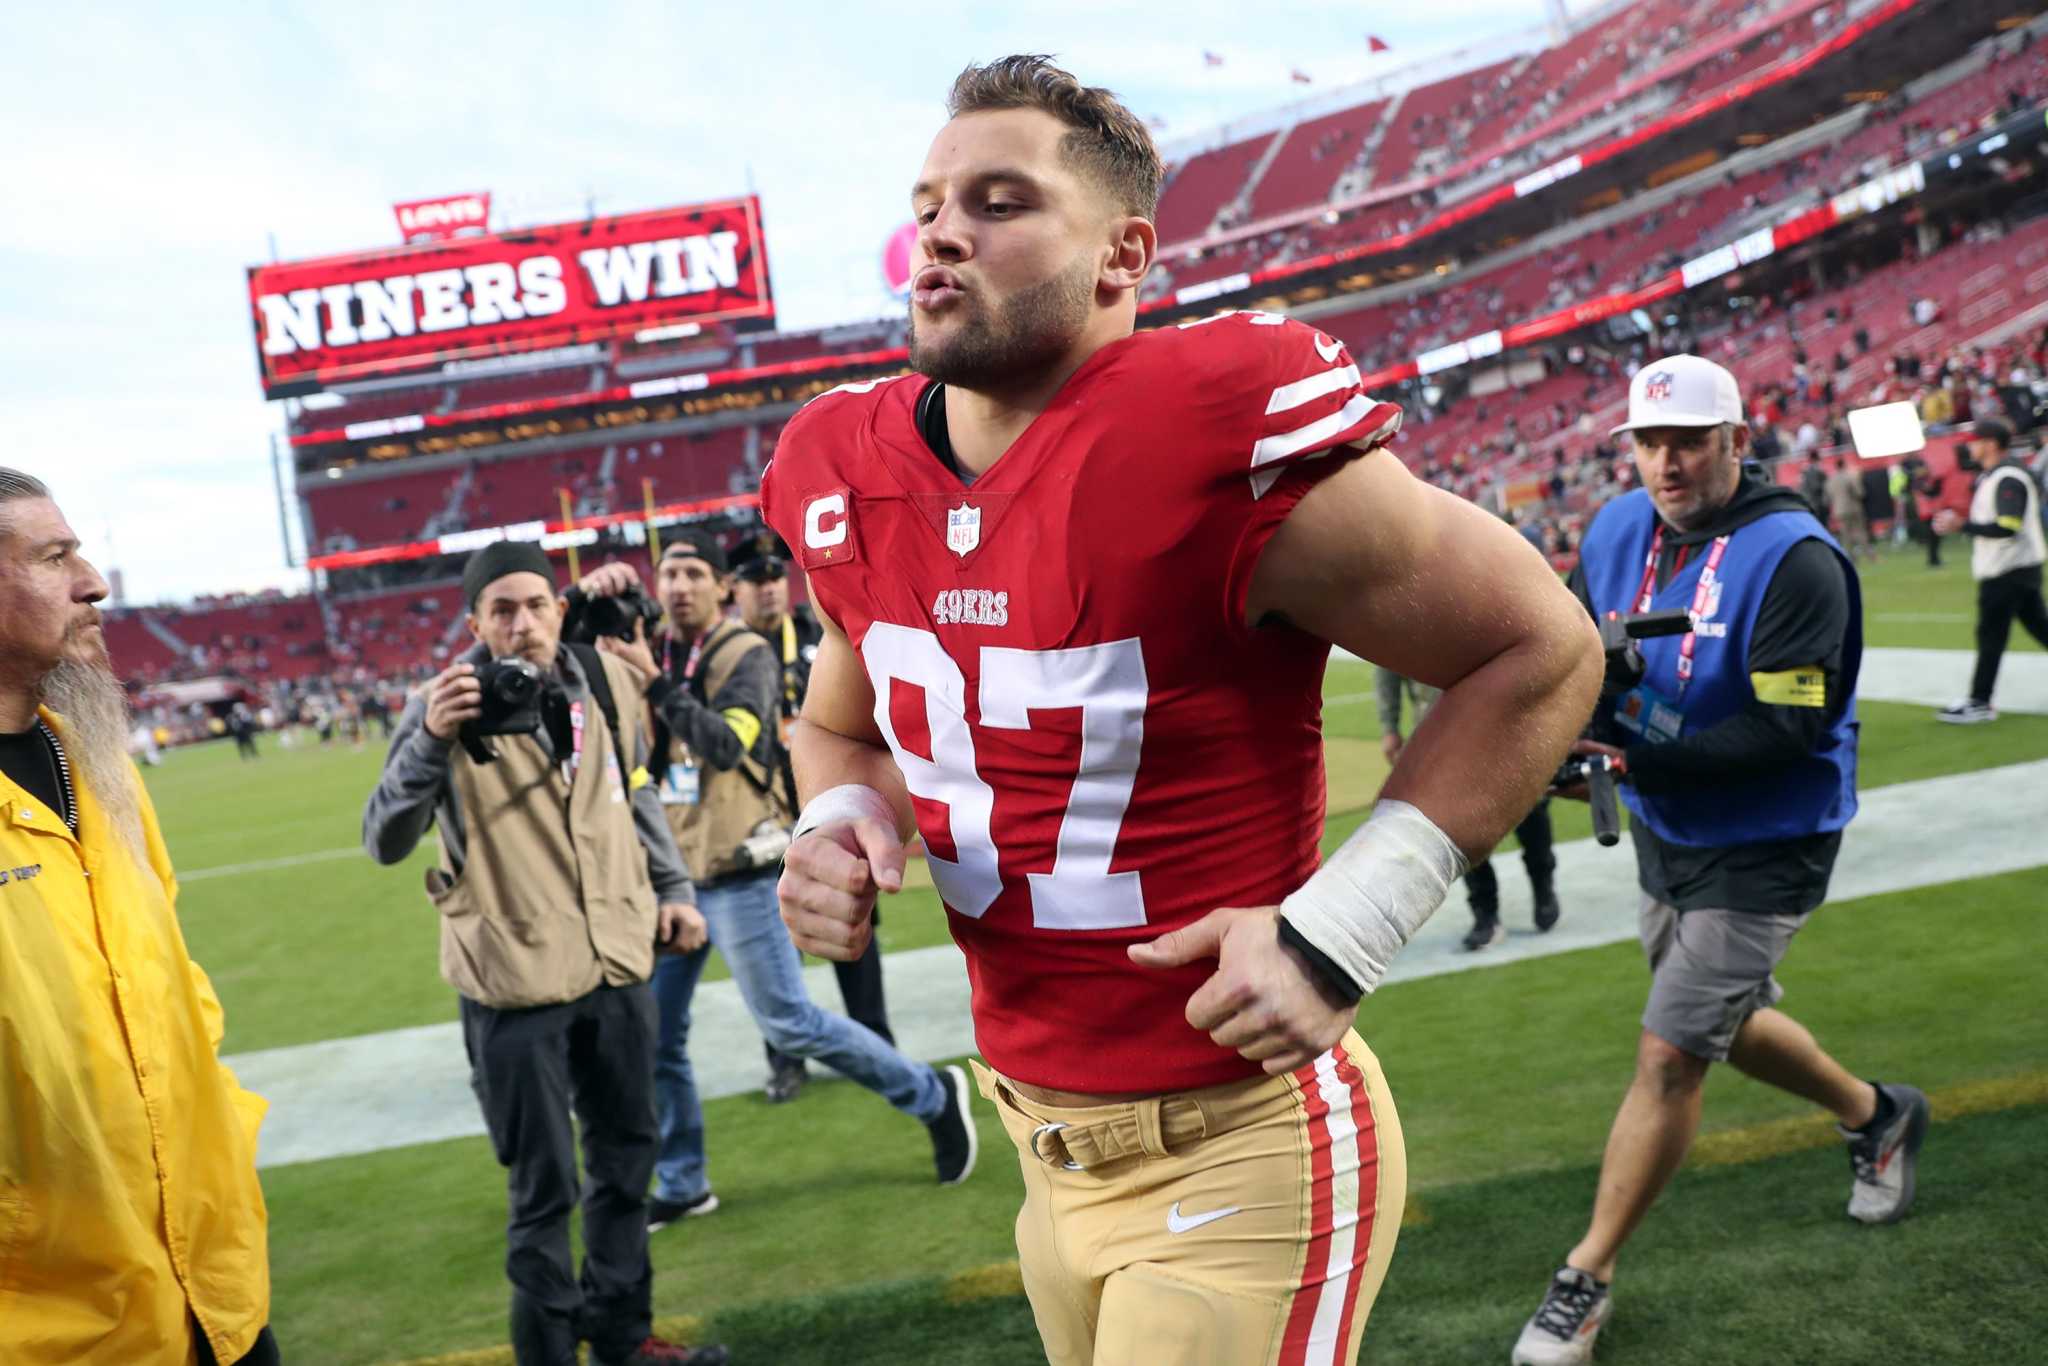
1283 444
860 386
1276 448
1314 387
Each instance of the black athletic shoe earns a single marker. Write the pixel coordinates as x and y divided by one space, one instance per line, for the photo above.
954 1142
1485 933
1547 911
785 1081
661 1213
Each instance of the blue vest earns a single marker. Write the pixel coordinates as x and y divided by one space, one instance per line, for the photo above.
1809 796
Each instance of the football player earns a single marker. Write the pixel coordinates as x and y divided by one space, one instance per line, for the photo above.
1080 586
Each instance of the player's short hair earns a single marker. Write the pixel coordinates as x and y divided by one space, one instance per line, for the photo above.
1107 142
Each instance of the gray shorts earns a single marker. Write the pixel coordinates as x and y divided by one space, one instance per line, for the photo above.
1709 971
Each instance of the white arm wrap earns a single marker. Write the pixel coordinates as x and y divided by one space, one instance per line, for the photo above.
846 802
1375 891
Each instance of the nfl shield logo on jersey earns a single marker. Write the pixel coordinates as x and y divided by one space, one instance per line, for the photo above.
963 529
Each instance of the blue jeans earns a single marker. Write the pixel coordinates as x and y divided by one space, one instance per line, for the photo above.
746 926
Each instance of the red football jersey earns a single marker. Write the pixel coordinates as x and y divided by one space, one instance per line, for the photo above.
1098 749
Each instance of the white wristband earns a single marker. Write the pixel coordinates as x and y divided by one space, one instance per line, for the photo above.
846 802
1371 895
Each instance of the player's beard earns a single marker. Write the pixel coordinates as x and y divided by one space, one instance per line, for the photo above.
85 693
1031 331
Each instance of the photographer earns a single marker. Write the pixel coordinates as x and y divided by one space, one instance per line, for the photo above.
556 879
761 591
1738 767
2007 547
713 686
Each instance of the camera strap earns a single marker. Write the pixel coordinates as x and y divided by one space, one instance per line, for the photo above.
601 691
1702 594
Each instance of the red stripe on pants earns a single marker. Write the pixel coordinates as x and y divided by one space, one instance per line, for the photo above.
1368 1182
1301 1317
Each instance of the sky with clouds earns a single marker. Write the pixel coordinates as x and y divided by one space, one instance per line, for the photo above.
154 152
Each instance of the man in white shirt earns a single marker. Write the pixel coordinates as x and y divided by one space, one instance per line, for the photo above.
2006 552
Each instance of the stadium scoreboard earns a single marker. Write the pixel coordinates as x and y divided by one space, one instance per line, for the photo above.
420 308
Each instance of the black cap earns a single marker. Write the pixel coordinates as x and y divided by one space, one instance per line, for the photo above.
763 569
498 559
695 543
1996 432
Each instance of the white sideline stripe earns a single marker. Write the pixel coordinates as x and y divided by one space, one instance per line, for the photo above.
266 864
1314 387
344 1097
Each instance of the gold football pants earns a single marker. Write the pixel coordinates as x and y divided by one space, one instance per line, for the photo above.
1228 1226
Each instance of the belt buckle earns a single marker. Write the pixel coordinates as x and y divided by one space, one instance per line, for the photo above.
1044 1131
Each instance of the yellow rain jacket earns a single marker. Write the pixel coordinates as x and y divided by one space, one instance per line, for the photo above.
128 1194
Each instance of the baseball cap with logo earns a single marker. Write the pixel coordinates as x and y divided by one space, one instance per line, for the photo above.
1681 391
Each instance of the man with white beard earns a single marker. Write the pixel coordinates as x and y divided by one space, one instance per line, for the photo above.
132 1227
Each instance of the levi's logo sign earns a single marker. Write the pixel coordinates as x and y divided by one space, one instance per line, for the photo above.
442 217
828 530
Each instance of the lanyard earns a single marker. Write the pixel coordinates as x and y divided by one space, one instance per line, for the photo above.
1700 595
789 656
575 759
668 656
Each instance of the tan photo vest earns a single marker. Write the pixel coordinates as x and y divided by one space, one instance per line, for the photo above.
732 803
554 898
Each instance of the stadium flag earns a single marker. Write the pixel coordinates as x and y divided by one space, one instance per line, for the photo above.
1375 43
1211 58
1299 77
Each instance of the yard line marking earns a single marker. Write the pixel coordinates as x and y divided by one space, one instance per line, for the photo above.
1803 1133
1919 616
265 864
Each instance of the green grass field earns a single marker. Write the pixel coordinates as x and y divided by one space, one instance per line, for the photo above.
833 1247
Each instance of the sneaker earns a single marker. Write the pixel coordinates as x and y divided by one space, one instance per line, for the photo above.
1562 1331
1883 1159
1485 933
954 1141
654 1351
1967 713
785 1081
661 1213
1547 911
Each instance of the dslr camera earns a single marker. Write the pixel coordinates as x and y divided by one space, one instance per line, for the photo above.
617 614
1618 636
764 848
512 690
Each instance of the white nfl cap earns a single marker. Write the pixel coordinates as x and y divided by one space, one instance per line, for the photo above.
1681 391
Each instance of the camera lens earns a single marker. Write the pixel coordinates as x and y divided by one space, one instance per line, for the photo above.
516 685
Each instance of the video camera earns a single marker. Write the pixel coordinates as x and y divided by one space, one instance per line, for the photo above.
512 690
615 614
1619 633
